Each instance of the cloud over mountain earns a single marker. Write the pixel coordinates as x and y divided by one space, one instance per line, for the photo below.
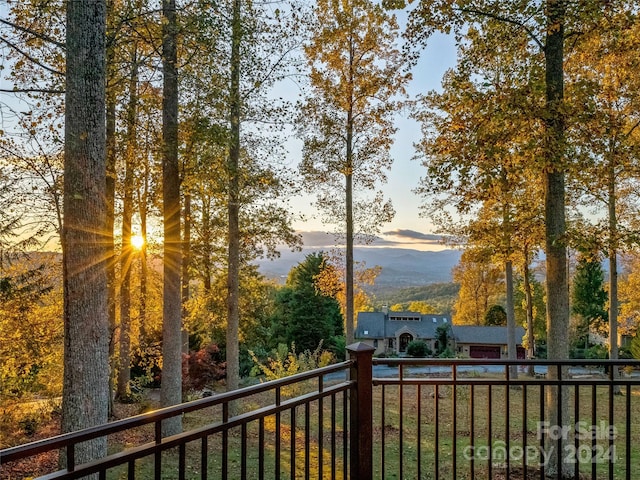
392 238
413 235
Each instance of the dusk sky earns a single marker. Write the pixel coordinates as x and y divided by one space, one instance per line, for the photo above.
407 226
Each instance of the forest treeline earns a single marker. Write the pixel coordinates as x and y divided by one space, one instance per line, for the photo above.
162 120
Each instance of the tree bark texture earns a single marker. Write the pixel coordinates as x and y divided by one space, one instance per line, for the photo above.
528 295
613 271
233 168
349 314
126 254
110 215
556 251
512 348
171 391
555 246
186 260
349 280
85 398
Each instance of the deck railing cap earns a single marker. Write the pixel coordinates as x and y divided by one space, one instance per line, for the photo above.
360 347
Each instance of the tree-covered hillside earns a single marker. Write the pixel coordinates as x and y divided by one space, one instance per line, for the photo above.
439 295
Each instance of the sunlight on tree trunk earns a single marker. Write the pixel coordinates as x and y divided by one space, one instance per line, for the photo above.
171 392
85 397
126 255
110 195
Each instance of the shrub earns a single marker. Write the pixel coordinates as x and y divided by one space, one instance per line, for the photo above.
596 352
205 367
446 353
145 365
338 346
418 349
285 363
29 424
577 353
625 353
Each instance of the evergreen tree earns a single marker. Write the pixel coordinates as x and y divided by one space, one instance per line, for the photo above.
303 313
31 340
588 295
496 315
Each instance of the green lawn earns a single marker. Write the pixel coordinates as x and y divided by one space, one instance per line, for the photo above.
420 434
472 427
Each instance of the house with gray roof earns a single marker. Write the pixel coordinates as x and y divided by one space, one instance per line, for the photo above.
391 332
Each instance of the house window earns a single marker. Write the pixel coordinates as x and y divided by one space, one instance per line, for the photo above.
390 343
375 343
405 318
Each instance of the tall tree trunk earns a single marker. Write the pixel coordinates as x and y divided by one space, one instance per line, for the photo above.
349 314
485 290
512 351
126 254
171 392
206 240
528 295
613 271
110 198
233 168
85 396
511 319
555 247
348 311
186 259
142 209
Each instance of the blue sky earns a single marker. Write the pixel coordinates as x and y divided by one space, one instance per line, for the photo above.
407 229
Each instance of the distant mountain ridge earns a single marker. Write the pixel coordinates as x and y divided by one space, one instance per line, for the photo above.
401 267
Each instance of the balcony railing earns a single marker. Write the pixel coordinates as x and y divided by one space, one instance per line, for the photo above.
481 419
386 418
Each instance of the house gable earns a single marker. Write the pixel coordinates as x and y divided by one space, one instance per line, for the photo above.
405 329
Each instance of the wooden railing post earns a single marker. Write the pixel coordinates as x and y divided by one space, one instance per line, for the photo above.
361 412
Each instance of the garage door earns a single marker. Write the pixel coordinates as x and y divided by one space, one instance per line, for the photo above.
484 351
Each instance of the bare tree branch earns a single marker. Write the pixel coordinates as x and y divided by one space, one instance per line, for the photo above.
34 33
30 58
31 90
512 21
